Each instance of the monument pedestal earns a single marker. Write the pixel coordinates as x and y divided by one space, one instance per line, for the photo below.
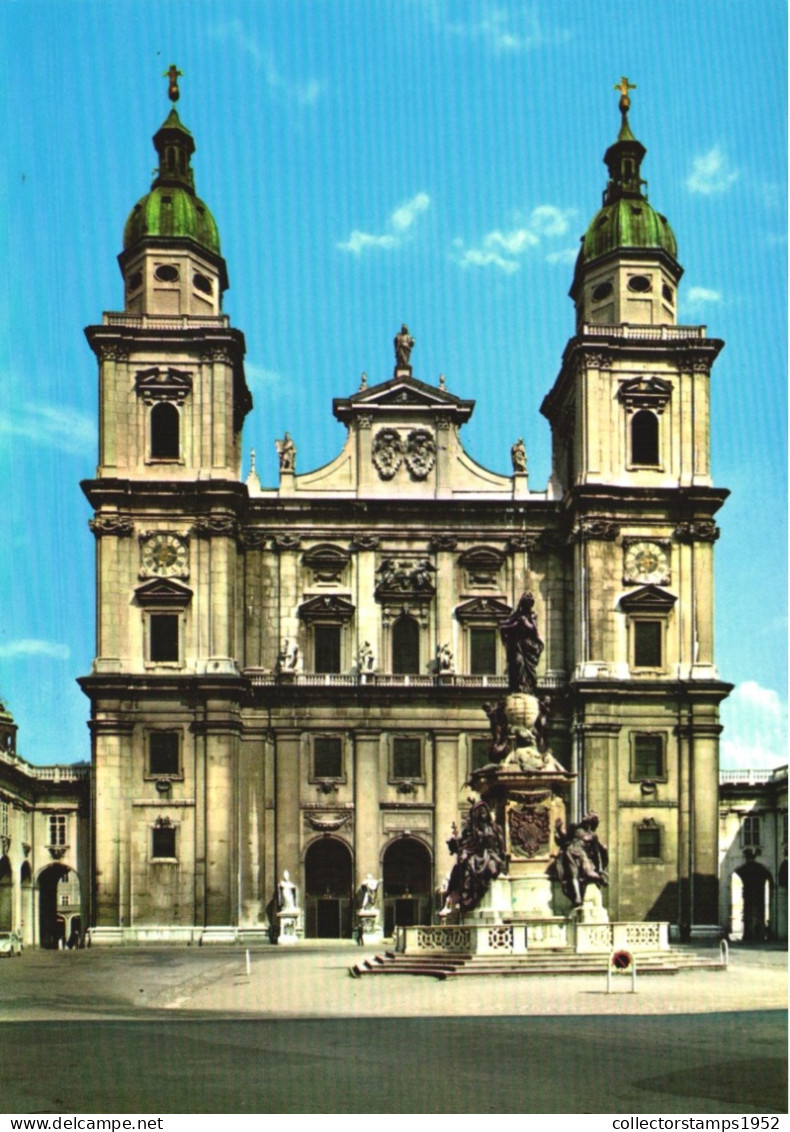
288 927
370 926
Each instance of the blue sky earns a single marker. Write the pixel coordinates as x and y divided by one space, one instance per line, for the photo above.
368 164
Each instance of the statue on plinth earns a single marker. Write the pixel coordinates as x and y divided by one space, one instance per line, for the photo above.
404 344
368 893
286 451
286 894
583 858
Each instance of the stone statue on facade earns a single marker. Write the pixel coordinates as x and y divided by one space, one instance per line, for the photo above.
518 456
444 658
368 893
479 858
404 344
286 894
286 450
583 858
523 645
288 658
366 661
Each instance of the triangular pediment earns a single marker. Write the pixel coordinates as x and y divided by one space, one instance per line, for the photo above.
163 592
645 392
163 384
648 599
402 392
483 609
326 607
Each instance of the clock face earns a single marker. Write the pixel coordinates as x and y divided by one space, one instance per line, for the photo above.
165 556
646 562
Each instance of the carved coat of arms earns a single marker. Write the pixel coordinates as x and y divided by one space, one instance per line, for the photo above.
420 453
529 830
387 452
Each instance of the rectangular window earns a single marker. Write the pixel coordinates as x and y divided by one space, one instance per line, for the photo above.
648 757
326 642
163 644
648 652
327 756
648 843
482 651
480 752
57 829
164 753
406 758
4 818
750 832
163 841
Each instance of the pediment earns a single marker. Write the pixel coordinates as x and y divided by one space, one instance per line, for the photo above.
482 556
645 393
163 384
326 607
648 599
163 592
483 609
402 392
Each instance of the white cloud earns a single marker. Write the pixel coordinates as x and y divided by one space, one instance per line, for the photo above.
503 249
31 646
404 216
502 31
755 728
400 221
360 241
57 426
549 220
696 296
303 94
566 256
711 173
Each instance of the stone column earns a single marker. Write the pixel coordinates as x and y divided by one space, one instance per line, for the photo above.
704 739
221 816
447 781
287 811
111 795
600 785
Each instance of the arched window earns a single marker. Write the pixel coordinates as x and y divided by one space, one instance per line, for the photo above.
644 439
165 432
328 873
406 646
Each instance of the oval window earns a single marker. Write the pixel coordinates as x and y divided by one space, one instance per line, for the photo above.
134 281
202 283
601 292
166 273
668 294
639 283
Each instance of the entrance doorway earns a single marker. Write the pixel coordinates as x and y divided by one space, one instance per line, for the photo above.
407 884
59 907
328 890
750 903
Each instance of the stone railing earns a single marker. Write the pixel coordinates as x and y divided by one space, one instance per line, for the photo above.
260 679
538 934
752 777
657 333
164 321
59 773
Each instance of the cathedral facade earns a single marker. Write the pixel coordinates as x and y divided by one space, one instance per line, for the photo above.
295 678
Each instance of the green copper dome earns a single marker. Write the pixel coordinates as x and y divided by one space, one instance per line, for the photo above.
627 224
171 208
626 219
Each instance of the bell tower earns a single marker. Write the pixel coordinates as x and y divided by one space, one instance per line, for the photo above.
630 421
168 502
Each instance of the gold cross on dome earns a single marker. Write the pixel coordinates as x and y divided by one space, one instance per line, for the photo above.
172 73
624 86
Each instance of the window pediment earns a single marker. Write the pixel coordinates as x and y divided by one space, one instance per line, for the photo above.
482 609
327 562
648 599
327 608
645 393
163 594
163 385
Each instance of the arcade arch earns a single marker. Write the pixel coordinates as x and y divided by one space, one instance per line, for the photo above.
406 871
328 886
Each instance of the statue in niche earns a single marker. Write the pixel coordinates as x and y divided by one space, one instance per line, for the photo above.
523 645
518 456
479 858
583 858
404 344
286 450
